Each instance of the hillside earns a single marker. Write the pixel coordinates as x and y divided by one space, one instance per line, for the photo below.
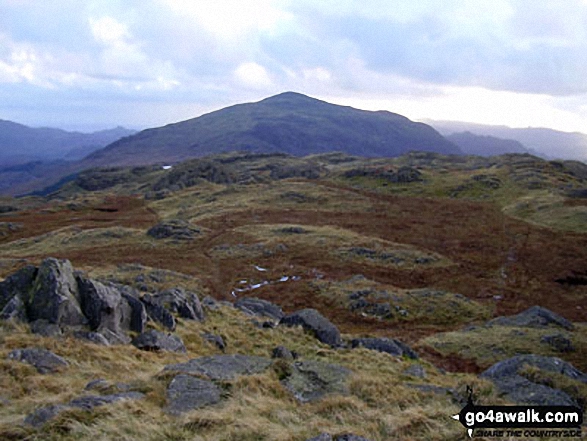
20 143
479 145
288 123
541 141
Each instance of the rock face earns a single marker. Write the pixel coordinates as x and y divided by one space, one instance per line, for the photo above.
312 380
186 393
44 361
388 345
507 376
54 295
259 307
158 341
222 367
313 321
174 229
158 313
534 317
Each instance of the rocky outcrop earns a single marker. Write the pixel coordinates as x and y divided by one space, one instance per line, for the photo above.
508 376
387 345
186 304
314 322
158 313
186 393
174 229
312 380
534 317
44 361
259 307
222 367
153 340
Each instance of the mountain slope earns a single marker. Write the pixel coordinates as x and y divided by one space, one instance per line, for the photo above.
544 142
472 144
20 143
290 123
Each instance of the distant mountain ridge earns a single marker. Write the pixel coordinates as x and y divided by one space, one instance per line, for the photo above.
289 123
484 145
20 144
545 142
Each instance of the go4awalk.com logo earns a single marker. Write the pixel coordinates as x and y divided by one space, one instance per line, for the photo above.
521 421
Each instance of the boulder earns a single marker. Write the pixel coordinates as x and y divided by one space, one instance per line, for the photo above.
259 307
216 340
54 295
186 304
174 229
45 328
312 380
534 317
222 367
138 317
311 320
153 340
558 342
186 393
92 337
388 345
284 353
105 309
14 309
17 285
321 437
44 361
158 313
415 370
507 375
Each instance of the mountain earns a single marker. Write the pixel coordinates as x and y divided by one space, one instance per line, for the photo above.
472 144
544 142
20 144
288 123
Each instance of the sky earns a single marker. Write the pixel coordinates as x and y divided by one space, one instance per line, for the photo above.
89 65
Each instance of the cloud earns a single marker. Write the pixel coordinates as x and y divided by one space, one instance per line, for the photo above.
253 75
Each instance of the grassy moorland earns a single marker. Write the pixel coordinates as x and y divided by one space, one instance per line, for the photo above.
437 245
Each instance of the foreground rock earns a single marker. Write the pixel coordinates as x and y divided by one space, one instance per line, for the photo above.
387 345
509 379
260 307
311 320
41 416
44 361
153 340
534 317
222 367
312 380
186 393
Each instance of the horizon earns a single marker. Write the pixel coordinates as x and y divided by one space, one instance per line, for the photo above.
94 66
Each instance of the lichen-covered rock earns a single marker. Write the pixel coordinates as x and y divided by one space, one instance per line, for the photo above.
259 307
311 320
312 380
534 317
388 345
54 295
186 393
222 367
153 340
44 361
509 379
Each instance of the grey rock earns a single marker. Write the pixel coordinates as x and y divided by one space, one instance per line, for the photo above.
311 380
558 342
507 376
44 361
158 313
321 437
534 317
14 310
222 367
45 328
138 318
186 304
174 229
92 337
388 345
54 295
39 417
415 370
186 393
311 320
106 310
284 353
349 437
210 303
17 284
216 340
153 340
260 307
